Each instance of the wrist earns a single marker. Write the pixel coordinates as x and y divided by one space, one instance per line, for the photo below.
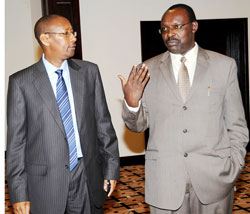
132 103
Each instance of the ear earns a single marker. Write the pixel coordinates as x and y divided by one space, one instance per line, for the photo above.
44 38
194 26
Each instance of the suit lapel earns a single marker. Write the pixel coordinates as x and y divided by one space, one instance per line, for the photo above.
167 72
200 72
78 88
42 84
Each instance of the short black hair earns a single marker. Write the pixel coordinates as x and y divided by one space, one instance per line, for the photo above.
189 10
38 29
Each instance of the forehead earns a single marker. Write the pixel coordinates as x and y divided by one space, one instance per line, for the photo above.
59 23
175 16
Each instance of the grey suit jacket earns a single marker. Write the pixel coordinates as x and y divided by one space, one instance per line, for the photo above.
37 151
202 140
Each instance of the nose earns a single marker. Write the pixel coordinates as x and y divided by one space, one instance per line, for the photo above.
170 32
167 35
73 37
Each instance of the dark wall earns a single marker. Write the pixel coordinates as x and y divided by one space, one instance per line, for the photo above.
226 36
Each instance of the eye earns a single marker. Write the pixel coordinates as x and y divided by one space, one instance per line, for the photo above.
69 33
177 27
164 29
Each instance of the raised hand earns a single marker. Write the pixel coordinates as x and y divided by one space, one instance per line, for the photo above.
134 86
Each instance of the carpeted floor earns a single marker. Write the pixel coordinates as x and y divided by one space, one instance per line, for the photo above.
128 197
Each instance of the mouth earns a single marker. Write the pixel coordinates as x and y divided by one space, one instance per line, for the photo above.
172 42
73 47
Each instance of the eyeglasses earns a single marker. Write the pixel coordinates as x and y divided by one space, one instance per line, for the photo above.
173 27
68 34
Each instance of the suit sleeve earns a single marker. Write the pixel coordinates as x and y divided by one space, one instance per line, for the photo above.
235 118
107 140
136 121
16 131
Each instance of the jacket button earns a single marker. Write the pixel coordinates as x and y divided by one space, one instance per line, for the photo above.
185 131
185 155
184 108
66 167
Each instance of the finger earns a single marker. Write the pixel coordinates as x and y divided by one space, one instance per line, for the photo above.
112 188
123 80
27 208
143 74
139 72
22 209
133 72
146 79
19 208
15 210
105 185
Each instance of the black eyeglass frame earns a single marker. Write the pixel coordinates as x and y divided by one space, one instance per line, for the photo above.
63 33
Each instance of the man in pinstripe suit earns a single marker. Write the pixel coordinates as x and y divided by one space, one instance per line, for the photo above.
38 167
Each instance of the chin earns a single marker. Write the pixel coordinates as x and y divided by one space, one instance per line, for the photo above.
174 51
70 55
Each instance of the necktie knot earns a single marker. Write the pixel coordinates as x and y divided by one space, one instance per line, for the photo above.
183 59
59 72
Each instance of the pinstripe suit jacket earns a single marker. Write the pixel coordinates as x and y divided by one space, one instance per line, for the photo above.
37 151
203 138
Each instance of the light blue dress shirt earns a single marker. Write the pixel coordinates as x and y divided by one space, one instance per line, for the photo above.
51 70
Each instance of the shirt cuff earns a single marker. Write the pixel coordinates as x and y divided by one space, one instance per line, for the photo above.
134 109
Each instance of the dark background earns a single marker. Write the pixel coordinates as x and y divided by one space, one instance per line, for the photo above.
226 36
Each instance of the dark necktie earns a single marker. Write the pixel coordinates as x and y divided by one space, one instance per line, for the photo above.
183 80
62 99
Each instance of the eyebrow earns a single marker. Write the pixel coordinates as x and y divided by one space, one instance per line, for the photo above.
172 24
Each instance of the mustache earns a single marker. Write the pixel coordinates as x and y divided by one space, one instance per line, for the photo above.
172 39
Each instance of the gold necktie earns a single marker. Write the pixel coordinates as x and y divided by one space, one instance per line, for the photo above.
183 80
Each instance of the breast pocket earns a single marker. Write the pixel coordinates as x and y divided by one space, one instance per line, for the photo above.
215 98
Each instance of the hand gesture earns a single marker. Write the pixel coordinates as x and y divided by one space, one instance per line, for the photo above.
134 86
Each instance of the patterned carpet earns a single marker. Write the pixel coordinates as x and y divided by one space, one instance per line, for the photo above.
128 197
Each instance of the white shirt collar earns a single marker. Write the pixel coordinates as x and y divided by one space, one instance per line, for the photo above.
192 53
51 68
191 59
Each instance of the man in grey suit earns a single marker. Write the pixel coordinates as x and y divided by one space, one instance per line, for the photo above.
62 149
197 129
